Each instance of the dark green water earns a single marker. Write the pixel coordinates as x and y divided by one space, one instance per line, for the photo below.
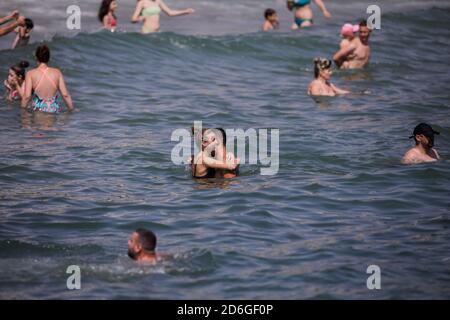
340 202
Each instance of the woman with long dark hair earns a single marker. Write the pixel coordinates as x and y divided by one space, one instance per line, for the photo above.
106 14
15 84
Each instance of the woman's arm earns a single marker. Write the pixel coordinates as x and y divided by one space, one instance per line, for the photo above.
173 13
213 163
322 7
28 87
341 54
64 92
21 89
12 15
16 41
337 90
137 13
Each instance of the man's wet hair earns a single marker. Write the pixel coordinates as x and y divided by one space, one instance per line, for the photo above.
363 23
269 12
147 239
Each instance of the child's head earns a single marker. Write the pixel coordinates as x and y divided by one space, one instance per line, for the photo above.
29 25
271 15
17 72
348 30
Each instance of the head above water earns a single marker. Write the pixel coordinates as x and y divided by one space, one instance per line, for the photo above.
322 66
105 7
29 24
270 14
18 70
349 29
424 134
42 54
142 242
364 31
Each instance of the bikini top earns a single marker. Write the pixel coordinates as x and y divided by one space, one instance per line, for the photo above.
301 3
151 11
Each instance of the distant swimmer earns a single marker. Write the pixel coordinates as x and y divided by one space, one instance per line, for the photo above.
23 34
15 83
148 11
423 151
271 20
213 161
303 15
18 21
355 53
107 16
142 246
43 83
321 85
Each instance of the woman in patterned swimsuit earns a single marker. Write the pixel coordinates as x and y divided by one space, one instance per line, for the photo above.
42 85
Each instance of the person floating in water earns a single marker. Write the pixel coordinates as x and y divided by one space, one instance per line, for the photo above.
271 20
23 34
148 11
321 85
142 246
19 22
213 161
303 15
15 83
423 151
355 53
106 14
44 83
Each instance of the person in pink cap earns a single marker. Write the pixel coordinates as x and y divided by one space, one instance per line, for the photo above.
354 52
348 34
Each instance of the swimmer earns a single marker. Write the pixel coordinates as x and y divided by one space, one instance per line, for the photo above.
271 20
19 22
15 83
23 34
106 14
423 151
321 85
44 83
303 14
213 161
148 11
142 246
355 53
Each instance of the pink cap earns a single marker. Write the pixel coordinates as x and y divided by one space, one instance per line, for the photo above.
348 29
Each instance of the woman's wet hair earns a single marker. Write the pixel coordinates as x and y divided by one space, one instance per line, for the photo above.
29 23
321 64
268 13
42 54
104 9
224 135
19 69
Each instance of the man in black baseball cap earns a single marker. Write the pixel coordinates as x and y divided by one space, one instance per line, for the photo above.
423 135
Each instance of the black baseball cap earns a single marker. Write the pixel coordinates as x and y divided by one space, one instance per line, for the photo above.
425 129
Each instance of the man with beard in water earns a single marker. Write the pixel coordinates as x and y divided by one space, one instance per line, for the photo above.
423 151
142 245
